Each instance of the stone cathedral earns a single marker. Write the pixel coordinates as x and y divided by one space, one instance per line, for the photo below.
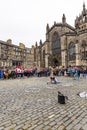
64 45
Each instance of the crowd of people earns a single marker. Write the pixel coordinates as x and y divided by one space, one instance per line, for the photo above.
20 72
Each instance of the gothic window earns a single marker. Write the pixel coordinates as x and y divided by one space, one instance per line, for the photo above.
56 46
84 50
72 51
43 54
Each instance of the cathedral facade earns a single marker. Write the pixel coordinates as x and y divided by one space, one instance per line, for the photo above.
64 45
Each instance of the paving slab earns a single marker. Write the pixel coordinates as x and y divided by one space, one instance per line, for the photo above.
32 104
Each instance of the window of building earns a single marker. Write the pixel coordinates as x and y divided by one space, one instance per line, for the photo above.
43 54
71 51
56 46
84 50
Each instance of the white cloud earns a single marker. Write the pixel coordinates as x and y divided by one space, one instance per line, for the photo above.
25 20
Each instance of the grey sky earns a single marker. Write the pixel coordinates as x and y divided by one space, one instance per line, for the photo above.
25 20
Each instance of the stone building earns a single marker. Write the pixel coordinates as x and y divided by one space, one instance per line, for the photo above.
64 45
13 55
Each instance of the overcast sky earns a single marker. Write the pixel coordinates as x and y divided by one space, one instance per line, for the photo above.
25 20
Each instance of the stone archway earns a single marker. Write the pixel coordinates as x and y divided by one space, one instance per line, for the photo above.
54 61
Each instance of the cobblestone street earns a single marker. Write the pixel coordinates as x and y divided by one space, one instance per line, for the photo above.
32 104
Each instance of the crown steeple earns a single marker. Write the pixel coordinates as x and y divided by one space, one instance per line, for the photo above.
84 9
83 6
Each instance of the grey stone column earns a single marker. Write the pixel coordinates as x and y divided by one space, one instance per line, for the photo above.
46 60
77 55
63 57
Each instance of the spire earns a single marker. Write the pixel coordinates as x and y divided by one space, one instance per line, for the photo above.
36 45
77 22
63 19
40 42
47 27
54 22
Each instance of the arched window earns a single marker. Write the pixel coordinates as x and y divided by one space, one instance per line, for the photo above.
43 54
84 50
71 51
56 46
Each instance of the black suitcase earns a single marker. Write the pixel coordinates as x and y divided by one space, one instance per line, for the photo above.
61 98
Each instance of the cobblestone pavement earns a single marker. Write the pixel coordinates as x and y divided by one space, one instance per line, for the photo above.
32 104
